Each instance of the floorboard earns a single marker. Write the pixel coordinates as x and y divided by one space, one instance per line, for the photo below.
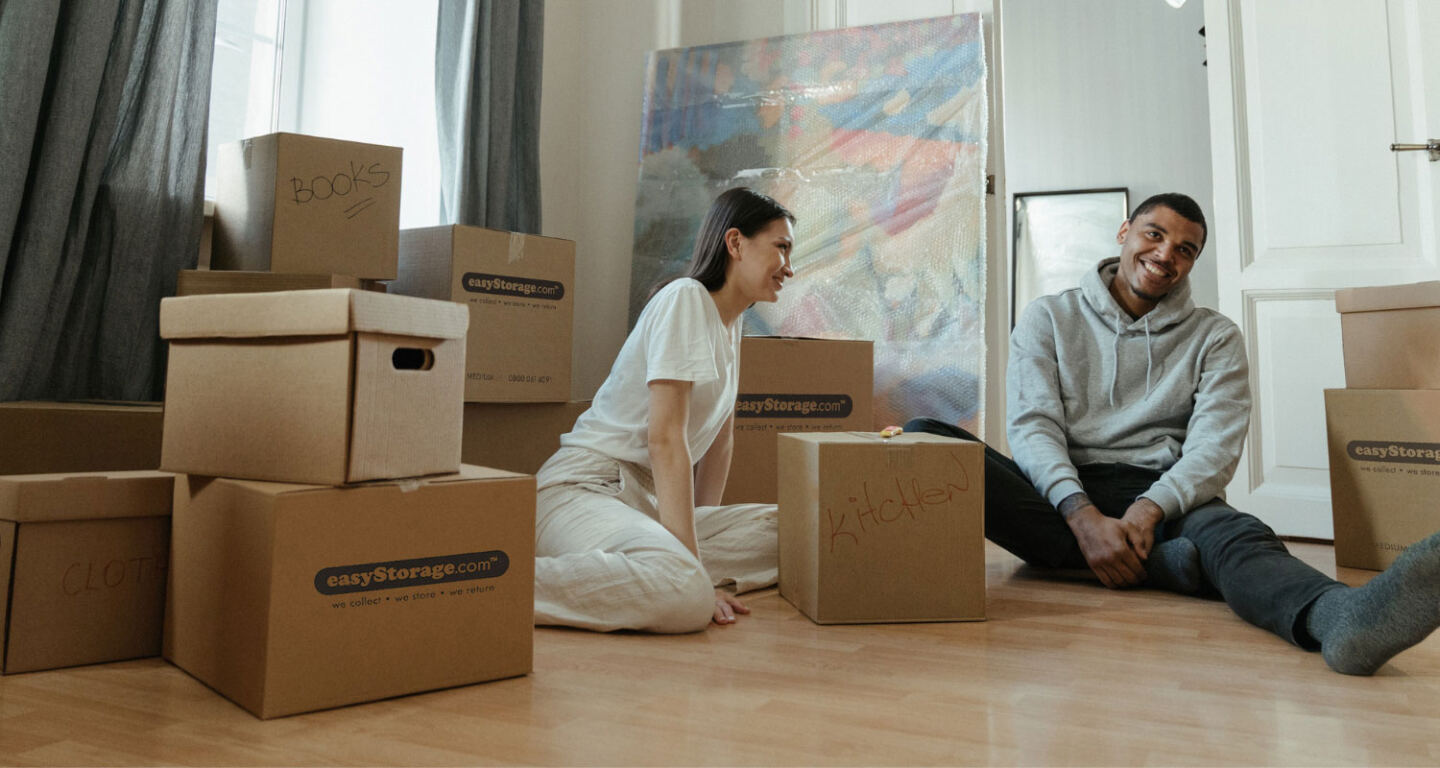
1063 673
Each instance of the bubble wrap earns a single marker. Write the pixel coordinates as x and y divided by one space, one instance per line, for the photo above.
875 138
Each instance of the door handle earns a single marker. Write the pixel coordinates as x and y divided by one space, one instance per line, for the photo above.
1432 146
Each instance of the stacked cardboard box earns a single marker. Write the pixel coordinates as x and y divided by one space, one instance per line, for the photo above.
297 212
84 526
78 437
82 567
293 204
328 545
794 385
1384 427
519 291
324 521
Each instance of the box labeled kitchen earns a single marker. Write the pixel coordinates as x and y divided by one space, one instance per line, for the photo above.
882 530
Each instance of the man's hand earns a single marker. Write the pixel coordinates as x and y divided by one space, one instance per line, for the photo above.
1141 518
726 606
1109 545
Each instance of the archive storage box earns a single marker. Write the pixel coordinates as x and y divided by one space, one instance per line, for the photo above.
326 386
78 437
1384 472
520 293
290 598
882 530
1389 334
83 559
794 385
291 203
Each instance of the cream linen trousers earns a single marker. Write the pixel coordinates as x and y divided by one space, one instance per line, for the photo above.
604 562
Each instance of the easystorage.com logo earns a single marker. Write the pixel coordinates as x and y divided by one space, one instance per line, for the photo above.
1394 453
411 573
804 406
501 285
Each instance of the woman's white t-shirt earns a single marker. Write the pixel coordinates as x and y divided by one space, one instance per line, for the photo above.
679 336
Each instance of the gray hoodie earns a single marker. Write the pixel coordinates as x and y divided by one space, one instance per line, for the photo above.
1168 392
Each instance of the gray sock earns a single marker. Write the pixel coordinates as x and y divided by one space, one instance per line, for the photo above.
1360 629
1174 564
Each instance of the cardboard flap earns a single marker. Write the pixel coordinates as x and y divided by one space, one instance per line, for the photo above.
408 316
321 312
766 337
1383 297
466 473
7 561
85 495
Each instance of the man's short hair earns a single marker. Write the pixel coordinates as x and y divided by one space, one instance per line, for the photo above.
1179 203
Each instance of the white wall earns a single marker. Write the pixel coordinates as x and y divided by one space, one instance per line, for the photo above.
590 127
1108 93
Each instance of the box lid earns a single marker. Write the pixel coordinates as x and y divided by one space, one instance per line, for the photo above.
868 438
87 406
1382 297
467 473
807 338
85 495
321 312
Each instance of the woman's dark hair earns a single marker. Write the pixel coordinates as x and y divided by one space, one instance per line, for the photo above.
740 208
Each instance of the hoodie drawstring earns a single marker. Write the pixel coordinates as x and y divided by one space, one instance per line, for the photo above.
1149 356
1115 355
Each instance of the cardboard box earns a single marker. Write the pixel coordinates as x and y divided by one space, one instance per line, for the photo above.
1388 333
519 437
328 386
877 530
291 598
291 203
1384 472
83 558
520 291
794 385
78 437
202 282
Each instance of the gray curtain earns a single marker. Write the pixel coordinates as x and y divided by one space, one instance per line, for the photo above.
487 105
102 145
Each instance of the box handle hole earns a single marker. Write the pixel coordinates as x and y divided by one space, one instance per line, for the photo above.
412 359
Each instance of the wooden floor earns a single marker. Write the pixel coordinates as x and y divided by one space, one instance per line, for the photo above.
1063 673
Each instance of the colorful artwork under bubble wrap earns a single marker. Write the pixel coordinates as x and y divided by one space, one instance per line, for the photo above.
875 138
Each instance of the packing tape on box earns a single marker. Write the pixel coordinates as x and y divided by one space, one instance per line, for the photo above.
517 247
899 456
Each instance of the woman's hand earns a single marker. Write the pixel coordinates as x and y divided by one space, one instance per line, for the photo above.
726 606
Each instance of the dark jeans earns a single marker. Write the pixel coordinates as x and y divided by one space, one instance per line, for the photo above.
1240 557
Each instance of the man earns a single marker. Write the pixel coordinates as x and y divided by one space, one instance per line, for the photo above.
1127 408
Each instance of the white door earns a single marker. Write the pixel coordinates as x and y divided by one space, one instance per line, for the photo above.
1306 97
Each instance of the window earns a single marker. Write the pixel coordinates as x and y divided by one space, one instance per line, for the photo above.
359 70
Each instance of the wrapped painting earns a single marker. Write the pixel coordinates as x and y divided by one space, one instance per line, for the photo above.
875 138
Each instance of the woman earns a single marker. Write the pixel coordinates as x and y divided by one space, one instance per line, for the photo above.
628 531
